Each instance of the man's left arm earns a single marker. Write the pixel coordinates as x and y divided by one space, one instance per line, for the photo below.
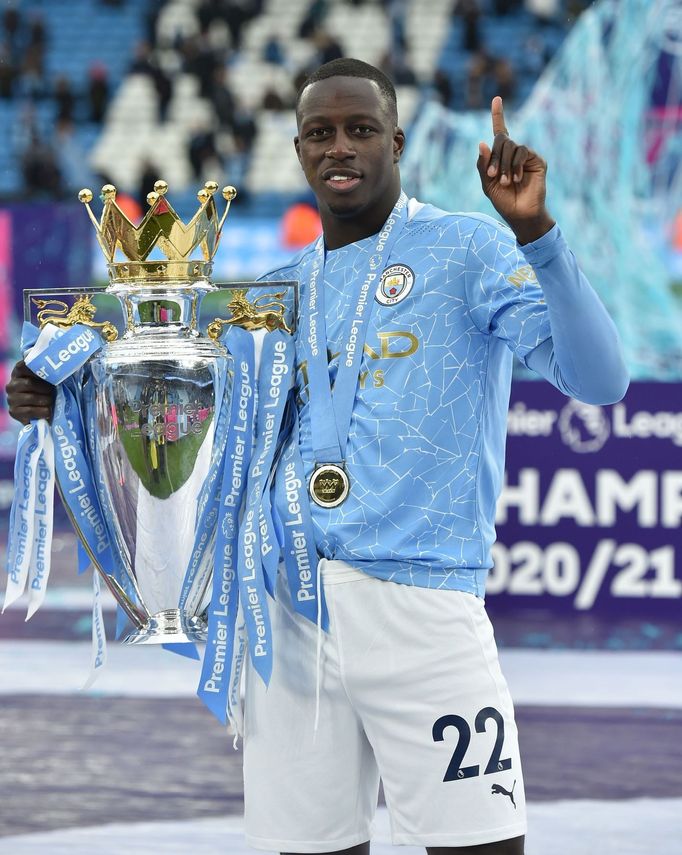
582 357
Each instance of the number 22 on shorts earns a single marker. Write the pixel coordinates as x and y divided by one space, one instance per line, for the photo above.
455 770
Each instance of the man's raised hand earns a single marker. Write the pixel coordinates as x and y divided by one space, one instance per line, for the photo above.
513 178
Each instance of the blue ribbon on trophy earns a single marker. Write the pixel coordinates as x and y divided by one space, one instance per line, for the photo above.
58 356
153 444
270 546
275 379
28 555
207 504
207 511
88 393
218 663
298 536
55 355
59 363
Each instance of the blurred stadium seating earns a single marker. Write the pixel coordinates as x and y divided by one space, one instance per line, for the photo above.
115 90
167 106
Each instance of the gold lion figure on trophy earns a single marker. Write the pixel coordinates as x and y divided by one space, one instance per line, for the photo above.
256 315
82 312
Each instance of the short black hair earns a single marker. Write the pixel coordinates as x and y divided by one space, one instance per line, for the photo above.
348 67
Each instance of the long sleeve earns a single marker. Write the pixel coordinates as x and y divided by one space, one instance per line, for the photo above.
583 356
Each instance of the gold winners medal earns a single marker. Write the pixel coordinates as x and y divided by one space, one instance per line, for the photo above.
329 485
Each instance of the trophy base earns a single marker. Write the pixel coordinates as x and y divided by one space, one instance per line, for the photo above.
169 627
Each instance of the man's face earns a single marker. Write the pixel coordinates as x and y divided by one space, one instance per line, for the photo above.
348 145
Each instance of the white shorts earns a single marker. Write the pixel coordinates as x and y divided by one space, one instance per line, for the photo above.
410 690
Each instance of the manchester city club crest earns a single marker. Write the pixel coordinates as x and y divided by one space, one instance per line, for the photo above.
395 284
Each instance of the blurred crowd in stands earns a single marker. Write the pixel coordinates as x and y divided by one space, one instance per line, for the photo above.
205 44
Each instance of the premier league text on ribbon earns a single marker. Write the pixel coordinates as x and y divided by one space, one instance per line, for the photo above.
69 456
220 611
24 499
352 343
292 487
79 346
42 512
252 556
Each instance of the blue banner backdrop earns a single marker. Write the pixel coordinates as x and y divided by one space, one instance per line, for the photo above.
590 516
51 247
42 245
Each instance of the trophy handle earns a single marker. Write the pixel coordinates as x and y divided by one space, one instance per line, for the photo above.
252 315
83 311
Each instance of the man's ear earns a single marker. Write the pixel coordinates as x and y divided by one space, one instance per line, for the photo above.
297 146
398 144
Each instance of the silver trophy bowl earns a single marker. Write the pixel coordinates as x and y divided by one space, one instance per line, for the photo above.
154 407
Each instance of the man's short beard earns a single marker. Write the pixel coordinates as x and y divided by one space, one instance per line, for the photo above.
344 213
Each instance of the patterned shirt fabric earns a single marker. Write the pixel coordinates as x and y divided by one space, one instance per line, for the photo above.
425 452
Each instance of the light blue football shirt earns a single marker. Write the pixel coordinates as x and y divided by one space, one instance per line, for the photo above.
425 452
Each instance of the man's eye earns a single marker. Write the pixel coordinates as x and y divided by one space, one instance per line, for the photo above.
363 130
317 132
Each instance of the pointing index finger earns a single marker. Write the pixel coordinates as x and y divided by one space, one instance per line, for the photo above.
497 113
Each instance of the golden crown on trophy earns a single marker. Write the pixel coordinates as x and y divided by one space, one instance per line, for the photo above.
162 229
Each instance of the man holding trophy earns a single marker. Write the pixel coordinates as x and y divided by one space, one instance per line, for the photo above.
381 494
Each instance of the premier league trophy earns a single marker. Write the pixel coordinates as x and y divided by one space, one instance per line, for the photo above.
154 406
147 421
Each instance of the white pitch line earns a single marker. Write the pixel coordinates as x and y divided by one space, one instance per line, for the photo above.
629 827
535 677
65 599
647 678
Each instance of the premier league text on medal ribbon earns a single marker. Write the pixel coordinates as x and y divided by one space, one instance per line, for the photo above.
352 343
312 307
331 413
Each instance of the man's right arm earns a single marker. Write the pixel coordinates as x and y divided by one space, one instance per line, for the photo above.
29 397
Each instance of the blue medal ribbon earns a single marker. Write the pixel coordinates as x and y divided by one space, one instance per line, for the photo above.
331 413
214 683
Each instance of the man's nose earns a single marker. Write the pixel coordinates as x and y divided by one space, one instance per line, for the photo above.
341 148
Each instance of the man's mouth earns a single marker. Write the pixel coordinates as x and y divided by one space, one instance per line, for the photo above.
341 182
